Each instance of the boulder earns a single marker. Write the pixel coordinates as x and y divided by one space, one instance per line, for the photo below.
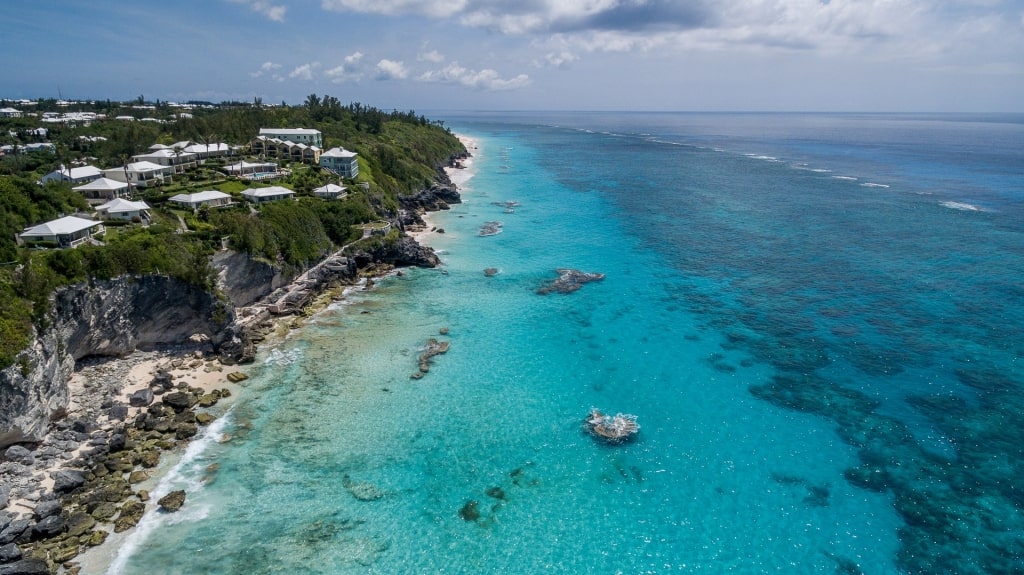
19 454
46 509
172 501
79 523
5 496
237 376
67 480
48 528
118 412
9 552
179 400
141 398
30 566
14 530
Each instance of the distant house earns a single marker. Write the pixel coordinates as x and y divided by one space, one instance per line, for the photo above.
10 113
103 190
253 170
140 173
271 194
179 160
122 209
66 232
210 198
80 175
210 150
40 147
343 162
307 136
330 191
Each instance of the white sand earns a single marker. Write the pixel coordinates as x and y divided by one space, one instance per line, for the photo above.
459 177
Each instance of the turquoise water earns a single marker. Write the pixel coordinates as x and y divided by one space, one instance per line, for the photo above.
815 318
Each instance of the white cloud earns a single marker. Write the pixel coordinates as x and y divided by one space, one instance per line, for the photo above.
271 11
486 79
391 70
431 56
267 67
561 59
350 71
431 8
304 72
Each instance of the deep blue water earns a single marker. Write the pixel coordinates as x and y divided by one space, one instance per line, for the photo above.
816 318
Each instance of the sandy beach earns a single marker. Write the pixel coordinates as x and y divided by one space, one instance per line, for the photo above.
459 177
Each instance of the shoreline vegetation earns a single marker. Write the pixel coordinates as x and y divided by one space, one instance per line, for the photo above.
67 502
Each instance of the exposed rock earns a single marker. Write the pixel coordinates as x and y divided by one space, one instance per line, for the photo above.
67 480
490 272
19 454
49 527
118 412
237 376
79 523
568 281
141 398
9 552
179 400
30 566
46 509
14 530
490 228
131 514
172 501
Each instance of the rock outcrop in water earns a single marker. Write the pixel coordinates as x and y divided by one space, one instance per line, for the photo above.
569 280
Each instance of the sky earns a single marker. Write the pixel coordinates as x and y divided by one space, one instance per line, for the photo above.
683 55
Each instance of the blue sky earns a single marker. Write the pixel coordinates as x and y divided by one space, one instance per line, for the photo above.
704 55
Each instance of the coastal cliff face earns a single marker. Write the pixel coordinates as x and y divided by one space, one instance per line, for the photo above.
113 318
244 280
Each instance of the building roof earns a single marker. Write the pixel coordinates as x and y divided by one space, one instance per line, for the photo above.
165 153
122 205
203 148
339 153
78 173
266 192
199 197
145 167
330 189
289 131
65 225
101 184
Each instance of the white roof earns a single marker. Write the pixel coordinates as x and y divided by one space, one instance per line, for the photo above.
330 189
158 147
145 167
203 148
122 205
289 131
266 192
65 225
78 173
199 197
101 184
339 153
165 153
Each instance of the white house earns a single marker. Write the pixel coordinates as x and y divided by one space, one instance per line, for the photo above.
80 175
330 191
180 160
210 150
102 190
66 232
307 136
140 173
253 170
10 113
122 209
211 198
341 161
271 194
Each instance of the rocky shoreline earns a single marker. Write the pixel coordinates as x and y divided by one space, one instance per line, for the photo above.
67 489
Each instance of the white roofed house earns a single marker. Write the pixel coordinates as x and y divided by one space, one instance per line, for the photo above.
122 209
80 175
211 198
254 170
176 158
140 173
307 136
343 162
210 150
10 113
66 232
330 191
103 190
271 194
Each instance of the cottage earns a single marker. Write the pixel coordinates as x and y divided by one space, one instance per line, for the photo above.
253 170
80 175
122 209
103 190
211 198
66 232
271 194
175 158
343 162
10 113
330 191
140 173
210 150
306 136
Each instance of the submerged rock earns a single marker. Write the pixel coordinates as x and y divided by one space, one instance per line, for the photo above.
470 511
569 280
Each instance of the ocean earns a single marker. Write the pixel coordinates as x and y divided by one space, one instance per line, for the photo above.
816 319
